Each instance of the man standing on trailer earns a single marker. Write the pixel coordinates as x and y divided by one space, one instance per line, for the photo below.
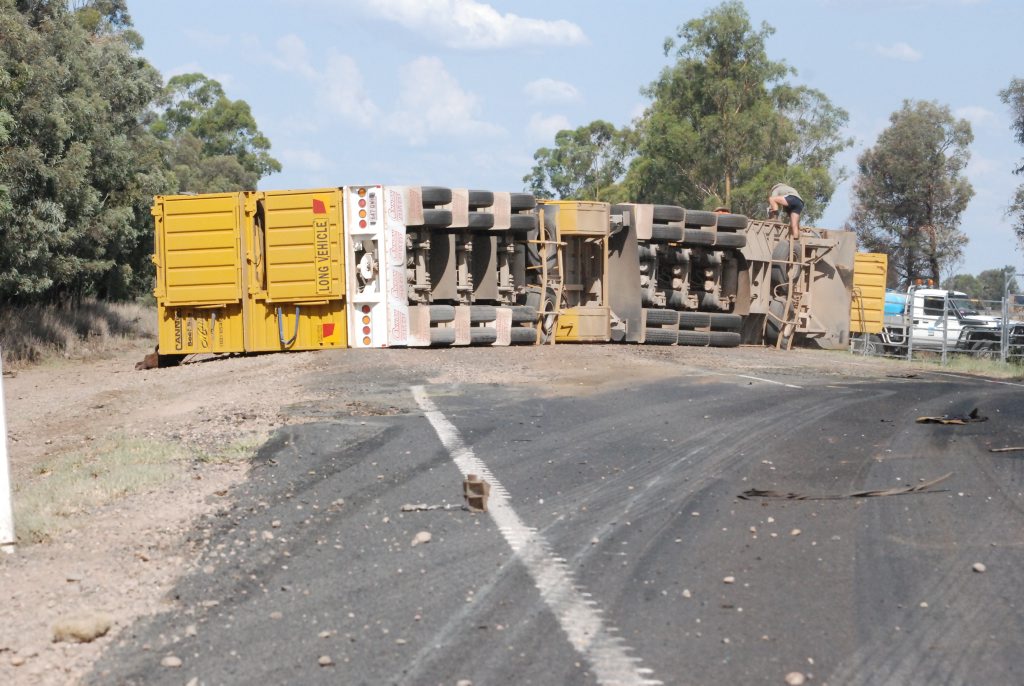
782 195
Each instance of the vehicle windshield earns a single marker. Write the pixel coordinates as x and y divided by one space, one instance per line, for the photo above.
964 306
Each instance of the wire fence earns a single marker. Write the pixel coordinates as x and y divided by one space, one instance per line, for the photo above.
948 327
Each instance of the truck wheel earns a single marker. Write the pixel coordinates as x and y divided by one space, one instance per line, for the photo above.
480 220
482 313
694 319
698 237
731 240
441 313
666 234
725 321
659 336
437 218
523 314
478 199
522 201
700 218
668 213
524 335
442 336
435 195
724 339
482 335
701 338
523 222
736 222
662 317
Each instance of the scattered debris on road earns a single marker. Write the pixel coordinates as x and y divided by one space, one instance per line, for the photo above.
421 537
1012 449
476 491
172 661
979 567
968 418
923 487
423 507
795 678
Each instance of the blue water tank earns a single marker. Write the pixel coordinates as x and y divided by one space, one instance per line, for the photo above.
895 303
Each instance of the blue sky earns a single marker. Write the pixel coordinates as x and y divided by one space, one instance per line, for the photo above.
462 92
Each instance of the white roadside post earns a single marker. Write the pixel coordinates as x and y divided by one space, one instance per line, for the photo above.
6 511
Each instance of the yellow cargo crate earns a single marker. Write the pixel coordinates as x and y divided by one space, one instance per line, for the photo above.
198 259
867 307
295 271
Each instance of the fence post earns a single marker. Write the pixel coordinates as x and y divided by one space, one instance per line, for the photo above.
1004 328
7 539
945 325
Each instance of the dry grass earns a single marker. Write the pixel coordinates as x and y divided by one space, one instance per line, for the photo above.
72 485
35 333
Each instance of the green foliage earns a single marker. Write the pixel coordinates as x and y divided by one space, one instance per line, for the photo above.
988 285
214 142
80 154
74 210
1013 96
585 164
724 126
910 191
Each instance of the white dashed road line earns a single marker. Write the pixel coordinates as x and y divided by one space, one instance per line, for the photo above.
755 378
975 378
577 613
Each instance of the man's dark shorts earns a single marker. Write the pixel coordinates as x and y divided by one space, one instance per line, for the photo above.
796 205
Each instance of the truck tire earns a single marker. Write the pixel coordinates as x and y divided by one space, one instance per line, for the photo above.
522 201
478 199
442 336
522 314
666 234
772 328
735 222
482 335
441 313
670 317
524 335
659 336
725 321
435 195
701 338
698 237
480 220
724 339
694 319
668 213
731 240
700 218
436 218
523 222
482 313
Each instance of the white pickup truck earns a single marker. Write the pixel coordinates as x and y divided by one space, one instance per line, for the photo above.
931 316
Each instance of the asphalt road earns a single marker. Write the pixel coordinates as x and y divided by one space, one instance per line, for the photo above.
620 523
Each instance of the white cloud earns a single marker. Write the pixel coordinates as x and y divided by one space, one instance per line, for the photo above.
345 91
431 102
304 159
475 25
551 90
978 116
339 82
898 51
542 129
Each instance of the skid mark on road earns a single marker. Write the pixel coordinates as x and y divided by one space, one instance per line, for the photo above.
608 655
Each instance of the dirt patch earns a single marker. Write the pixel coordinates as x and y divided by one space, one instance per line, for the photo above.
120 559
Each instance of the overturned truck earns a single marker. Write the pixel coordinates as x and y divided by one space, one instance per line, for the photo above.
372 266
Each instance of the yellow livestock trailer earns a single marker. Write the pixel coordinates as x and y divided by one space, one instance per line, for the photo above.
249 272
